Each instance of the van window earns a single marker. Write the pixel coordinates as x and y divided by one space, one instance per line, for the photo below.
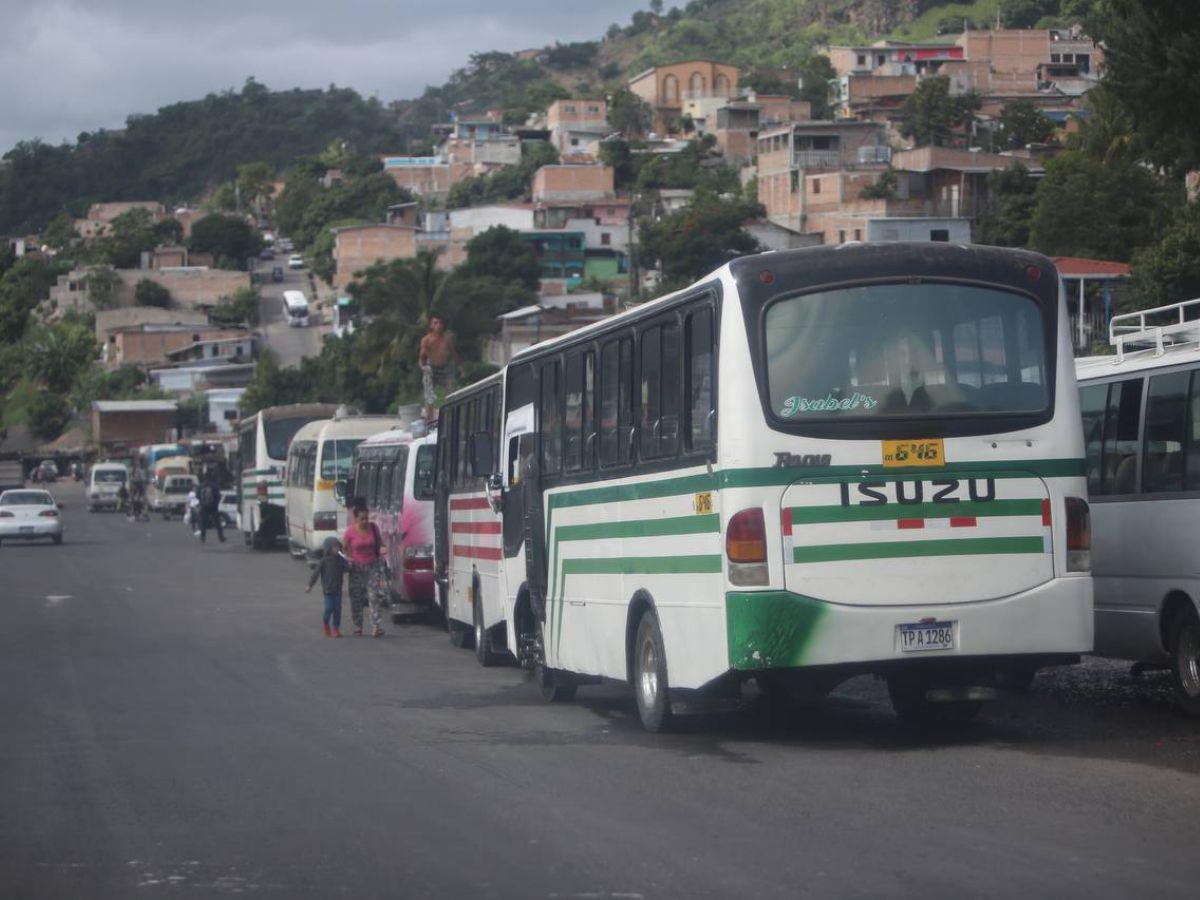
1092 402
398 473
382 488
1121 437
1166 421
659 411
423 474
580 393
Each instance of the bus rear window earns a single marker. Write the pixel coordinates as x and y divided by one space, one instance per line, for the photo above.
905 351
279 433
336 457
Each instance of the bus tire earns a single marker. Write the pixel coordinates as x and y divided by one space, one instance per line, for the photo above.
1185 660
907 693
651 687
482 638
555 685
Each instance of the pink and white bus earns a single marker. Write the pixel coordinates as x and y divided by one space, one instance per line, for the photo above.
393 472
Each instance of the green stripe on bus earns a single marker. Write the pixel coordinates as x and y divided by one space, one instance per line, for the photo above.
905 549
811 515
707 524
770 629
643 565
640 490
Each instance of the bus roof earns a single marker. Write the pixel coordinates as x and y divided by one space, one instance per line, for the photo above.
346 427
292 411
295 299
1089 367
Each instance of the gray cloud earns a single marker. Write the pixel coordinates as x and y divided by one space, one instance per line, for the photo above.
78 65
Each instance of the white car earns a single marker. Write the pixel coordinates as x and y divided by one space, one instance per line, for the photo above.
295 261
228 509
26 515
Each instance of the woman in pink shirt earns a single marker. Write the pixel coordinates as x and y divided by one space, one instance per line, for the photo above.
362 542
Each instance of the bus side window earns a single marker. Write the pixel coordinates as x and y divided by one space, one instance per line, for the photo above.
577 431
1092 400
551 417
659 409
698 373
1166 419
1121 436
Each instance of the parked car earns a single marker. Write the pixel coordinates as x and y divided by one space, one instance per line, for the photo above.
277 274
104 485
45 473
169 497
267 253
26 515
295 261
228 508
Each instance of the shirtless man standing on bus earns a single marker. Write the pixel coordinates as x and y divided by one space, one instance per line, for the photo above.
438 358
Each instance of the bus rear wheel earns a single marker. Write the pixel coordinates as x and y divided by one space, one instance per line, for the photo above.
483 639
1185 657
650 684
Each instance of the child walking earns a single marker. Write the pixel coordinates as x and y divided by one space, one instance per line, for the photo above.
330 570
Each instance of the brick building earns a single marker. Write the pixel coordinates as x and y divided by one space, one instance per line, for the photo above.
124 424
573 182
356 247
667 88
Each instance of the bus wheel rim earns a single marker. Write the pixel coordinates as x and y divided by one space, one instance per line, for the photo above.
648 677
1189 661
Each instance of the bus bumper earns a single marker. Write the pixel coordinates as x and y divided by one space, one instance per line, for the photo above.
783 630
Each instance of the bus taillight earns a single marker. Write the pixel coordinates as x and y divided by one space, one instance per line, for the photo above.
418 557
325 521
746 547
1079 535
260 490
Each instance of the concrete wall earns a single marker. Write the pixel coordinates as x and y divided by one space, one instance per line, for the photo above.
573 183
138 347
356 248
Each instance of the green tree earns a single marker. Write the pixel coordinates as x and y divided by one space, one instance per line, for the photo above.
102 285
168 231
48 415
129 235
930 115
629 114
22 287
1169 270
1014 197
1092 209
1021 124
503 254
256 181
151 293
230 240
815 73
241 307
1026 13
1151 56
883 188
696 240
60 232
57 354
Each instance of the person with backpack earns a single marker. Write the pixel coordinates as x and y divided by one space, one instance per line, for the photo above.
210 509
364 544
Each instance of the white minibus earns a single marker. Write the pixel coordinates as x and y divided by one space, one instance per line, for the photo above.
295 308
320 456
812 464
1141 425
263 440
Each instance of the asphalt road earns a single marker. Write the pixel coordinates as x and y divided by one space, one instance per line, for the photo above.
290 345
174 724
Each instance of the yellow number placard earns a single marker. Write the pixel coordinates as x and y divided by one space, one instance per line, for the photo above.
702 503
920 452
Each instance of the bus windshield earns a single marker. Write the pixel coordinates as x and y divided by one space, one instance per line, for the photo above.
279 433
904 350
336 457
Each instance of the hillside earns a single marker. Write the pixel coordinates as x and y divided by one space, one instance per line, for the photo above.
186 149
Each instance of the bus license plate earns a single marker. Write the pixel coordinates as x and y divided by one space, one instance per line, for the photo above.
926 636
925 452
26 529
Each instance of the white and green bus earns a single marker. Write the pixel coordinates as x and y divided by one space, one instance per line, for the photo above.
811 465
263 441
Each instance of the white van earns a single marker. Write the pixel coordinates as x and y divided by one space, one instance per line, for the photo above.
104 485
319 457
295 308
170 496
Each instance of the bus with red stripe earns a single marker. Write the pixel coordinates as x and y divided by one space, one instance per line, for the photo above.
811 465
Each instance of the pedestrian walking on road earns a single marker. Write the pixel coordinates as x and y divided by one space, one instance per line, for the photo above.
329 570
210 509
363 543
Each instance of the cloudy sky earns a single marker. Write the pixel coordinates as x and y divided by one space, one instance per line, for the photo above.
76 65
